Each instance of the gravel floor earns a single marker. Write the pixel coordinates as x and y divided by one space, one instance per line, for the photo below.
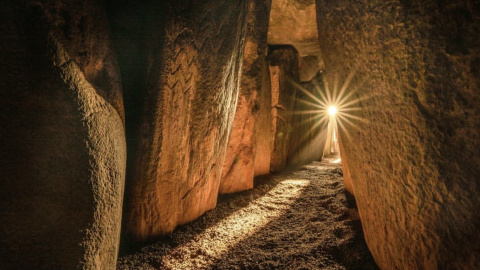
303 219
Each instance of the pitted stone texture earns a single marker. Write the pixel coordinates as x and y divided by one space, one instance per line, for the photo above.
192 57
414 162
283 69
292 22
254 98
63 147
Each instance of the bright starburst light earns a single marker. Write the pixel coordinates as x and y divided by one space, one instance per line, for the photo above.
341 103
332 110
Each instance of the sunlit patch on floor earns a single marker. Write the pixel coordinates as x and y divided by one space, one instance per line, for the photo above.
336 161
217 240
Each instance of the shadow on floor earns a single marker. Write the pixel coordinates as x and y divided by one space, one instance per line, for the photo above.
226 205
300 220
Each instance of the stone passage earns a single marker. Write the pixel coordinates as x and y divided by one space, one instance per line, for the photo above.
299 220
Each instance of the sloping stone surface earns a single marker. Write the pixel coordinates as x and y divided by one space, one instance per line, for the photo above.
239 167
186 59
62 161
283 64
414 162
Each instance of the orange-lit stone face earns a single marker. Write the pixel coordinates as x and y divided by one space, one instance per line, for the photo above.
294 22
414 169
189 95
248 151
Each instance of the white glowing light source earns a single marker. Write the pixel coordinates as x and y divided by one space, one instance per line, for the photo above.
332 110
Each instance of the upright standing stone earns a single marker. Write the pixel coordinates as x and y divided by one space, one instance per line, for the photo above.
62 161
190 56
263 150
283 68
254 99
414 161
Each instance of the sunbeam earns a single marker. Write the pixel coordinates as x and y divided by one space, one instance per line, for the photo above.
312 128
316 105
299 87
338 105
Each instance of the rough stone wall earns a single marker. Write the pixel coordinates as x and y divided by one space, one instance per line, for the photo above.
283 64
293 22
62 161
414 162
239 167
190 54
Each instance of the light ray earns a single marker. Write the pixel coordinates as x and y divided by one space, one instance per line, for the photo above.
350 123
353 91
351 109
357 100
305 112
311 103
346 97
353 117
321 93
312 128
345 86
314 118
340 102
346 132
301 88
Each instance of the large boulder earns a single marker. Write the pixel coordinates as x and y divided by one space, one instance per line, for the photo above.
254 99
62 161
414 160
185 58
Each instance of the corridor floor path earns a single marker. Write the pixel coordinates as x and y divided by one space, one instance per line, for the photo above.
302 219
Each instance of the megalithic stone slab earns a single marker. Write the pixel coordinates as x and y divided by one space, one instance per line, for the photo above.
191 53
62 150
414 157
283 64
263 137
254 99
